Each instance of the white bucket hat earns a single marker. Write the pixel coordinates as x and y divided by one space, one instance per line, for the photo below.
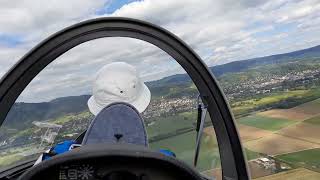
118 82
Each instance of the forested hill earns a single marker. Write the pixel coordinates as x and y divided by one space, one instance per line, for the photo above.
237 66
23 114
168 87
243 65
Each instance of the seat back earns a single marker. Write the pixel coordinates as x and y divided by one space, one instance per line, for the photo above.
117 123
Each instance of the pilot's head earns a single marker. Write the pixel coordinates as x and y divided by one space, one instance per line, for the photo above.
118 82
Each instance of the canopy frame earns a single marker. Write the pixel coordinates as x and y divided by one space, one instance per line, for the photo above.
20 75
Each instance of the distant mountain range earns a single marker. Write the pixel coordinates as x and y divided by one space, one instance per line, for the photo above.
23 114
237 66
243 65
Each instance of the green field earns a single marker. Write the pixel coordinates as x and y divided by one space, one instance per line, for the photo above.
282 100
251 154
184 146
8 160
165 125
315 120
308 158
267 123
72 117
311 107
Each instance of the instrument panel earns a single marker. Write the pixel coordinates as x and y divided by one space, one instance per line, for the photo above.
111 162
109 171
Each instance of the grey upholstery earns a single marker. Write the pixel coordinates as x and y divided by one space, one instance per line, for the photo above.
117 123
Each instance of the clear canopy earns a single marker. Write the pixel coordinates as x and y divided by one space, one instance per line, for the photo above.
275 102
56 105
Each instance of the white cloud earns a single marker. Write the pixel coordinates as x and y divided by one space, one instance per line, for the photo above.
25 16
73 72
220 31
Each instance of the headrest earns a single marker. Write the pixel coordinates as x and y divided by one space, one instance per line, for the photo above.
117 123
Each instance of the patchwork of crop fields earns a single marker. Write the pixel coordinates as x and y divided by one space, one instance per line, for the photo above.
248 133
290 135
296 174
288 114
265 122
277 144
302 131
314 120
308 158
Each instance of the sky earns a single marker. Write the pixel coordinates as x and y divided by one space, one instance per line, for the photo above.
220 31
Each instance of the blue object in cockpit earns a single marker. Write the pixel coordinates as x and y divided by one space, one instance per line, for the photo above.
167 152
58 149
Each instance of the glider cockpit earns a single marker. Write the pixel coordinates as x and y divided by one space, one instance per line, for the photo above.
105 151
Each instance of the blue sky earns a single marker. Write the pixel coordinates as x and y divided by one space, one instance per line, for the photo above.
219 31
112 6
109 7
10 40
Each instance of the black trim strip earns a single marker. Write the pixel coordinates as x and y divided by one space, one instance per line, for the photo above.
16 170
